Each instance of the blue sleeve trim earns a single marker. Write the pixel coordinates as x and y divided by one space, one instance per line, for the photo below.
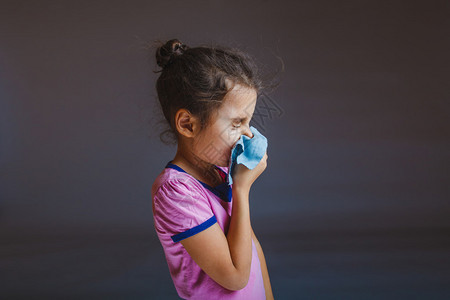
194 230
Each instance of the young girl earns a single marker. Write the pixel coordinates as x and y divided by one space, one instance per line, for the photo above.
208 97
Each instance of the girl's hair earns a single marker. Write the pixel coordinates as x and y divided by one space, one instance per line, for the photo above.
198 79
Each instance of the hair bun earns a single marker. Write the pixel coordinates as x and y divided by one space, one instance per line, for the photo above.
169 51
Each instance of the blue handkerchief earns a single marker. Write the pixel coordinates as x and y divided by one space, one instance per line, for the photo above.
247 151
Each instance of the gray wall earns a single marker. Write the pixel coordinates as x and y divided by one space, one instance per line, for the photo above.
355 199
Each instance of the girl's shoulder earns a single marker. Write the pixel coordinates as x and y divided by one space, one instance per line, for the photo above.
171 179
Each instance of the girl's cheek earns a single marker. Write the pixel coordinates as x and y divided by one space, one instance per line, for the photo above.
234 135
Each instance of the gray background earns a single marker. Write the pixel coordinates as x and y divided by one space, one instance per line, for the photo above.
354 203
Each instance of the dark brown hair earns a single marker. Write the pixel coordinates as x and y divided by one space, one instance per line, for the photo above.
198 79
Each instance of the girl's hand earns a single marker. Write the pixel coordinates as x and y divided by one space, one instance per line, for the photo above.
243 177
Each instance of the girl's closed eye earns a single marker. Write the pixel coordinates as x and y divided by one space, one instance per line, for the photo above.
237 122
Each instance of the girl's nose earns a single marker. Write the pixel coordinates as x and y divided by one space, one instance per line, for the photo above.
246 131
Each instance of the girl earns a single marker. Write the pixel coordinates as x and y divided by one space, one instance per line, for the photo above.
208 97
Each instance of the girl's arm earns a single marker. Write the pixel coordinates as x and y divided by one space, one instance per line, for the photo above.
265 272
227 259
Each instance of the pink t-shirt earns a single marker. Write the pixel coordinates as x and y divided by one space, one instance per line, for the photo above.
182 207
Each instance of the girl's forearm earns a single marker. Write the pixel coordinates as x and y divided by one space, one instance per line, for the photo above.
239 234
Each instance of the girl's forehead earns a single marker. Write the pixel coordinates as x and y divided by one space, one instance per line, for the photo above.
233 110
238 103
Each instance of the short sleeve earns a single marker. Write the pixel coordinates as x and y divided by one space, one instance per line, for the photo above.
181 209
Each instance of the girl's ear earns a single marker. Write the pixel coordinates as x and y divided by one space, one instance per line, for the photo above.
186 123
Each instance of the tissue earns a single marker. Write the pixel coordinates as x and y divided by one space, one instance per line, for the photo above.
247 151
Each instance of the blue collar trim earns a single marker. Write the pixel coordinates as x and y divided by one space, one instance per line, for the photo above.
223 190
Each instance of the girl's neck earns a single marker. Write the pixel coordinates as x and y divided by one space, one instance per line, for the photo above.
199 169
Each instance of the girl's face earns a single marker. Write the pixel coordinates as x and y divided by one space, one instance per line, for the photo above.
214 143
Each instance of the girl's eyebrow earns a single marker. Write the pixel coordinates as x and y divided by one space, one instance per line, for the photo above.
238 119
